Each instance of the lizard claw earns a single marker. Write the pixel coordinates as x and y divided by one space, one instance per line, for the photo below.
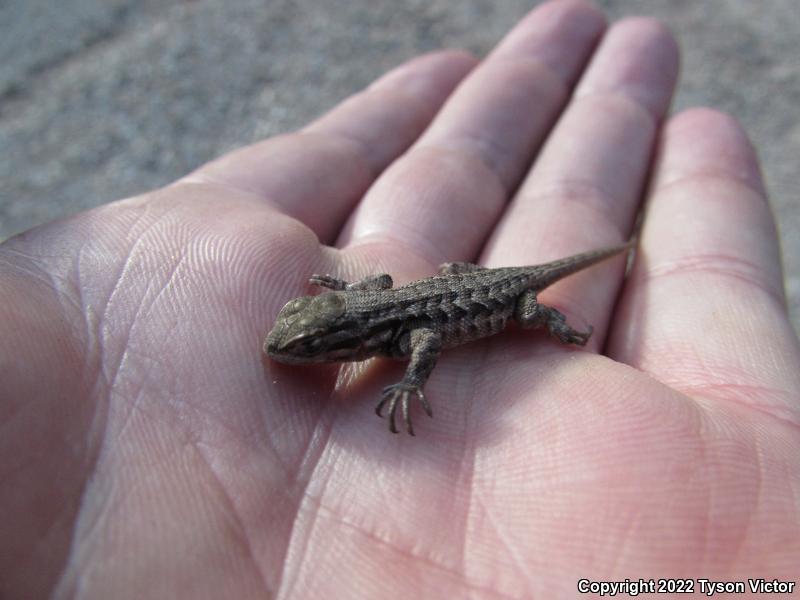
401 393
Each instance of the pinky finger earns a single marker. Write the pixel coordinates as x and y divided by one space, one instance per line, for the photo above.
704 309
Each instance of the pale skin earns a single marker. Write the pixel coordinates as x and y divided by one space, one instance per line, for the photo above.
148 449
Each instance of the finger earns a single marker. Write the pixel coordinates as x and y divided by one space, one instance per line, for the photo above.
584 191
440 200
704 309
319 173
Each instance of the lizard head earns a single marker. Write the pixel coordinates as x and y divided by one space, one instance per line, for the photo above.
313 329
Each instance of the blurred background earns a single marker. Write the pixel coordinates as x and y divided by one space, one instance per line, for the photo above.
102 99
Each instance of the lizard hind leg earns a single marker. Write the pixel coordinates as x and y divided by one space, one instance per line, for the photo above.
530 314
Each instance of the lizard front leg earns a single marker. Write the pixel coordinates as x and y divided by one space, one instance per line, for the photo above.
455 268
425 346
529 314
371 282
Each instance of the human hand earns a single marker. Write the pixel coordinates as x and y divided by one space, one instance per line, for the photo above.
148 449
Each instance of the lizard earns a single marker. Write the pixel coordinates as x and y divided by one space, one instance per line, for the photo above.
416 321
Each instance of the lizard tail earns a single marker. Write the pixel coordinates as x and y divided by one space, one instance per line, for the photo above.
558 269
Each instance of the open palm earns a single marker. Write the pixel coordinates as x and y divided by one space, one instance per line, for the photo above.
149 449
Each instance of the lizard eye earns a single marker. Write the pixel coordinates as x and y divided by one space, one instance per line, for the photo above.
309 340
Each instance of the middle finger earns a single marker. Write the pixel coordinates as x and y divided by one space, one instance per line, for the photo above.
584 190
439 202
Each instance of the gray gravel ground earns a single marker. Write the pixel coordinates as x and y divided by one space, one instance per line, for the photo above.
102 99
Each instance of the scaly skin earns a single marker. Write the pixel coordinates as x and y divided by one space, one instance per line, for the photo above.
465 302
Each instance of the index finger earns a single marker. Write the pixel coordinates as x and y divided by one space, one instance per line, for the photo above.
318 174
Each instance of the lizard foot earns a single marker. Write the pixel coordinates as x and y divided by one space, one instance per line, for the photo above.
556 323
571 336
400 393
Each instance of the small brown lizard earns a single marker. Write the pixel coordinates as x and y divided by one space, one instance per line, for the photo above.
464 302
